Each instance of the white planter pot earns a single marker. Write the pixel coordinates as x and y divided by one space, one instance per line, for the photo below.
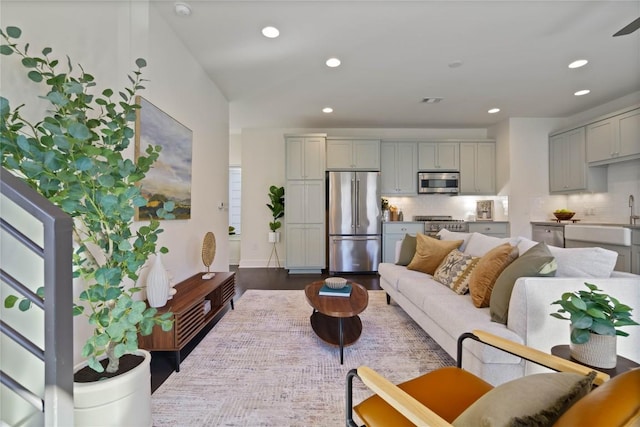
274 237
600 351
124 400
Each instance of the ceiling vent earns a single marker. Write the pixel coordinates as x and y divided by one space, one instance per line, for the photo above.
431 100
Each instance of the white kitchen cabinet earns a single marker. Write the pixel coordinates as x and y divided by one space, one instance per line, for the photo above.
635 251
305 157
438 156
495 229
304 206
304 201
305 225
353 154
393 232
305 248
614 139
568 169
399 168
477 168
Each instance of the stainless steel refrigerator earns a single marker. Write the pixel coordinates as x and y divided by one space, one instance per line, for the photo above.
354 218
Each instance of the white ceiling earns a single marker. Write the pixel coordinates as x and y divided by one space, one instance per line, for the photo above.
394 53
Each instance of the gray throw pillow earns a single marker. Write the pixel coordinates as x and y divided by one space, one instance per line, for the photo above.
407 250
535 262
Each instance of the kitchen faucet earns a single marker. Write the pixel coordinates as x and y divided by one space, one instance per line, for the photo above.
632 217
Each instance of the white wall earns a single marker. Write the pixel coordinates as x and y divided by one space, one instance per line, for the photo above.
106 37
179 86
528 162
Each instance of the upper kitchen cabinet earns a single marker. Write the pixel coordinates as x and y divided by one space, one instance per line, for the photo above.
568 169
399 168
305 156
477 168
614 139
435 156
353 154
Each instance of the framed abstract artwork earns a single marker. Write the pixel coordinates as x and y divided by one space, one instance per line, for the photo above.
169 179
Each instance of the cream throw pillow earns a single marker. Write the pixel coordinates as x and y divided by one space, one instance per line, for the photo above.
430 252
487 271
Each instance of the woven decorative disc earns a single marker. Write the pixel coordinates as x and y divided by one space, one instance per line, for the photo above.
208 249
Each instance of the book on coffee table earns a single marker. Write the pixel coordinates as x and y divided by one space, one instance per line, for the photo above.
330 292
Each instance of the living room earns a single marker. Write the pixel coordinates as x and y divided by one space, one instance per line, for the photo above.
178 84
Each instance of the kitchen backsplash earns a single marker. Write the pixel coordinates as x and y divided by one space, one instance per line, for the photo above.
459 207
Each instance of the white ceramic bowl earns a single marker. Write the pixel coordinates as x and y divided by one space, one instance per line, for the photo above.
335 282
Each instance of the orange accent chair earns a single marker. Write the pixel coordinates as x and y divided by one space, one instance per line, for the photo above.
452 396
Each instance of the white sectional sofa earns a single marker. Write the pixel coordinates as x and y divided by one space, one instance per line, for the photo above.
445 315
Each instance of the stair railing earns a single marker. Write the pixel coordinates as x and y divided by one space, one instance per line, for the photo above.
56 249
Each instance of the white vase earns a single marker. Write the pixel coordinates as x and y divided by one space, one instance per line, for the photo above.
158 284
600 351
124 400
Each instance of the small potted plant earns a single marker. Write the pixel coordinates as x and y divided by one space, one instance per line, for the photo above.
595 318
276 195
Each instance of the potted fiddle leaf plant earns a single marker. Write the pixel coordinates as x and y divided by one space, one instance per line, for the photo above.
276 196
595 321
73 155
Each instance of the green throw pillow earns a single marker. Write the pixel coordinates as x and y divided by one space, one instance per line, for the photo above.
407 250
533 400
535 262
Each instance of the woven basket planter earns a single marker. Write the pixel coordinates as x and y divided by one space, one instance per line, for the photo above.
599 352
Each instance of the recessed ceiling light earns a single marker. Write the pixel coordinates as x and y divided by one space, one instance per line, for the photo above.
431 100
578 63
182 9
270 32
327 110
582 92
493 111
333 62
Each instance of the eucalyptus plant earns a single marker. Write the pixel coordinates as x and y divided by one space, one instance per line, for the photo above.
276 195
73 156
593 312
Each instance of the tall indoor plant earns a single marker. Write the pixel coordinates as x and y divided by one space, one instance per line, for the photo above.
595 317
276 196
73 155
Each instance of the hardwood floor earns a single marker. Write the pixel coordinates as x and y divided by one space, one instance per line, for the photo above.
163 363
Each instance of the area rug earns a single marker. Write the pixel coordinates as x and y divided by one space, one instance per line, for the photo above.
262 365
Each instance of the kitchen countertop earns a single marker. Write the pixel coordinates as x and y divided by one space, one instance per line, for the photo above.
550 222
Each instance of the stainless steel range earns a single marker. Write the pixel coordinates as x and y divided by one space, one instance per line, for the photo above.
435 223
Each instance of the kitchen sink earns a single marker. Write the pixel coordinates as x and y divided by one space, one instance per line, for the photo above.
605 234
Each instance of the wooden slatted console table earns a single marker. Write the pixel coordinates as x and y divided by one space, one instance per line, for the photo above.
194 306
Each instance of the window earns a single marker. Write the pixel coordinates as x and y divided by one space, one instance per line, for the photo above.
235 191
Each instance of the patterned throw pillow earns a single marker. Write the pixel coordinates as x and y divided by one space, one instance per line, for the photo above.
454 271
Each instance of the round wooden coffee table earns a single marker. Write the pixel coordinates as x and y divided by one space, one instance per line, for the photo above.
335 319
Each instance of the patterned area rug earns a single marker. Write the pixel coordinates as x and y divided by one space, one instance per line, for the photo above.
262 365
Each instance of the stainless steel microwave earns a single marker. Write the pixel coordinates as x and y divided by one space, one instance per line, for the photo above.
438 182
